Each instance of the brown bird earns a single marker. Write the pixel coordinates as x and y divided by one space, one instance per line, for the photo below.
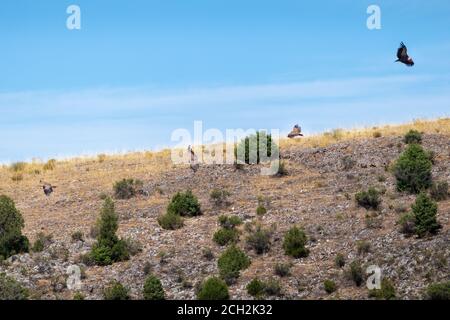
48 189
402 56
296 132
193 160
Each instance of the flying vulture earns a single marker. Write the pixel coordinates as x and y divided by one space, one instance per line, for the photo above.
296 132
193 160
48 189
402 55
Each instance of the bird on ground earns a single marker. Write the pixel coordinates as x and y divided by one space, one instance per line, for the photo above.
402 55
48 189
193 160
296 132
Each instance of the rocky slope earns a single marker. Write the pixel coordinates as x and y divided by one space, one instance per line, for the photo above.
317 194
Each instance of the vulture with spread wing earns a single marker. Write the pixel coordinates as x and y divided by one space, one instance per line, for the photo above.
296 132
402 55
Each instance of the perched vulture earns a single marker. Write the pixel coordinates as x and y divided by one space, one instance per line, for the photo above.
48 189
193 161
296 132
402 55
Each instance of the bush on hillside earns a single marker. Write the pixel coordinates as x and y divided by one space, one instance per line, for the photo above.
294 243
256 288
213 289
413 170
11 224
10 289
108 248
153 289
439 291
116 291
184 204
425 210
219 197
369 199
231 262
256 148
412 136
259 240
170 221
127 188
226 236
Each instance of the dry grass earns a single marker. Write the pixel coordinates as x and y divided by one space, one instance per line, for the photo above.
438 126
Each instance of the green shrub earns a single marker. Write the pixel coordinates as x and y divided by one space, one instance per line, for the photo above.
259 240
386 292
329 286
108 248
229 222
339 260
439 291
255 148
355 273
412 136
294 243
282 269
184 204
170 221
127 188
256 288
153 289
407 223
226 236
369 199
219 197
116 291
413 170
213 289
261 210
439 191
231 262
10 289
425 210
42 242
11 223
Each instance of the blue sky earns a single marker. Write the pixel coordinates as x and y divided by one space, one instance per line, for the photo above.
137 70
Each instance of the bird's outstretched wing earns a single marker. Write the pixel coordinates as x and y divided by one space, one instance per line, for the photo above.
402 52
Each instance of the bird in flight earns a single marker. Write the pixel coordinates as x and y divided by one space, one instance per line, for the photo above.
296 132
402 55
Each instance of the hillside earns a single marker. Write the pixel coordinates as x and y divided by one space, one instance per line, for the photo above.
318 194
